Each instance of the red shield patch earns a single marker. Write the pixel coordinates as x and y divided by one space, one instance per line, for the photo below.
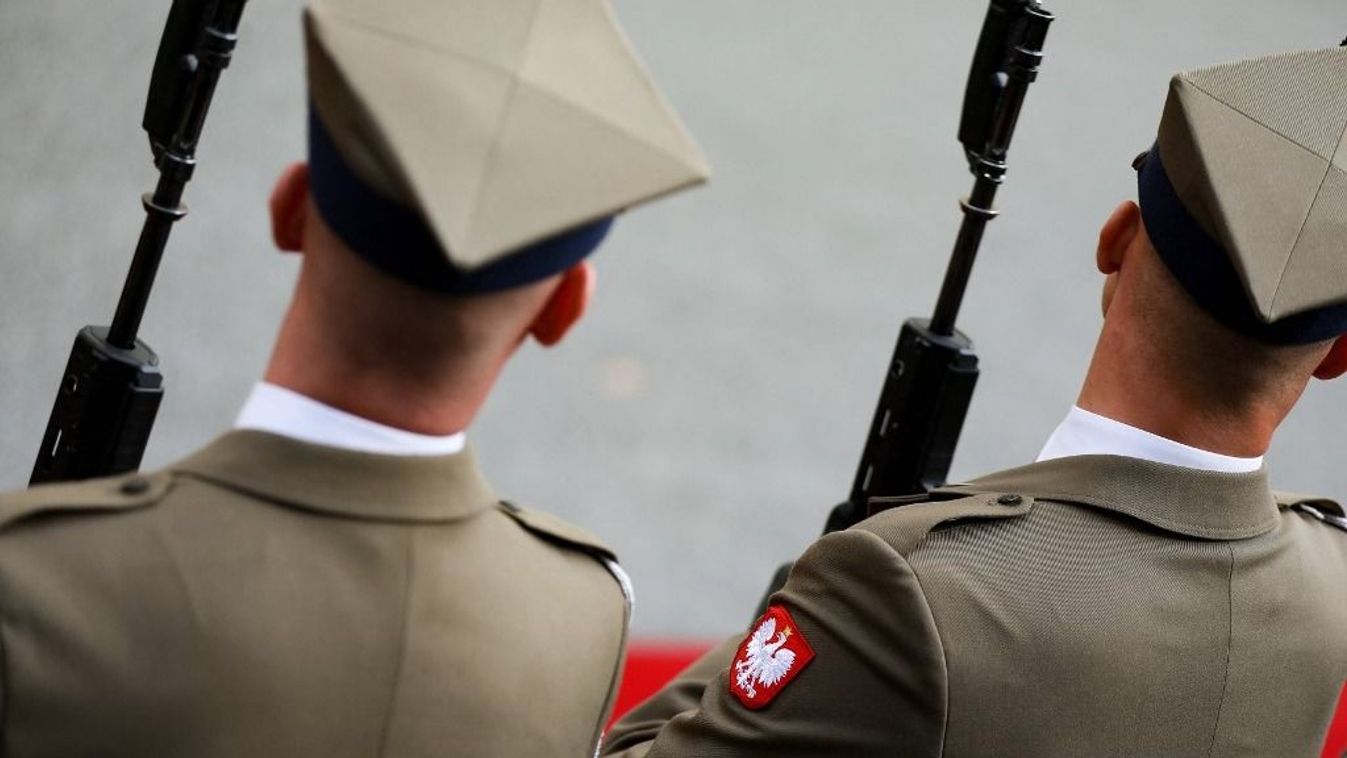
773 655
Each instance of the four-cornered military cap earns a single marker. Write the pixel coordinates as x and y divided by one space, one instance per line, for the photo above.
1245 193
474 145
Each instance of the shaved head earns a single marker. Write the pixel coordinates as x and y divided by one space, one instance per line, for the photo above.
368 343
1209 359
1165 365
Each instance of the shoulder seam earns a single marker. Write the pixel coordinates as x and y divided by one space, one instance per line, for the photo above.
533 522
905 564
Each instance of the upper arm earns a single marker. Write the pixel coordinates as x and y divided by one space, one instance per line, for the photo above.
875 686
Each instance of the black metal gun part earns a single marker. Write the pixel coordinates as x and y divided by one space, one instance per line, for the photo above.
111 390
934 370
929 385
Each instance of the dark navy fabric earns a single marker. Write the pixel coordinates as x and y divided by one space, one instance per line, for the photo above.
397 240
1205 269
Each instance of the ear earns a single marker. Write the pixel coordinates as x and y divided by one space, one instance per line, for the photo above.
566 305
289 208
1117 236
1335 365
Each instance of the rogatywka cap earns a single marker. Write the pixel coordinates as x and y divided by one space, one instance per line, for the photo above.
475 145
1245 193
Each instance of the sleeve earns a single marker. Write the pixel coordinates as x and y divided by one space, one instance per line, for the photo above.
875 686
631 736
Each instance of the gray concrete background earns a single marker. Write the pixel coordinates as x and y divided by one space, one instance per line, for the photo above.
713 406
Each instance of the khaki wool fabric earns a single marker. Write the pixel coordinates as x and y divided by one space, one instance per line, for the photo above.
268 597
1116 607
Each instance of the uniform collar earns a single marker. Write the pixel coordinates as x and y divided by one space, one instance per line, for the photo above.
1086 433
343 482
1195 503
276 409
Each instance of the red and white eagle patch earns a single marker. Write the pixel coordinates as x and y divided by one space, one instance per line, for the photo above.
774 654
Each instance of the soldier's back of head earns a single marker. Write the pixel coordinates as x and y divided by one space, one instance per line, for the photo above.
334 576
1141 589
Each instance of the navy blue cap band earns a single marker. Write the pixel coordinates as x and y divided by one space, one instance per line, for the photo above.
397 240
1205 269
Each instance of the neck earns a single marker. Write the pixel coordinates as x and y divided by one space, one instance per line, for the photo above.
315 363
1127 382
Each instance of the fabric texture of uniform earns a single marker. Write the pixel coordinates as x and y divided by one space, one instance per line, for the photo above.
1090 606
272 597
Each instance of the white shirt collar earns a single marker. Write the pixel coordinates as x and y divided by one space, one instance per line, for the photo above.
1085 433
275 409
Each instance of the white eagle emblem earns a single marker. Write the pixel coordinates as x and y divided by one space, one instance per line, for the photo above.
764 662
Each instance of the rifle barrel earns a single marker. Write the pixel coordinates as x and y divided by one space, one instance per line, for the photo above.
989 167
111 390
176 163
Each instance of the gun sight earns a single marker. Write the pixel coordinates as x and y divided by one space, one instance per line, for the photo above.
1007 25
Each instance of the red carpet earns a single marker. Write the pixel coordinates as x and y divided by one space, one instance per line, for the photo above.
1336 747
650 665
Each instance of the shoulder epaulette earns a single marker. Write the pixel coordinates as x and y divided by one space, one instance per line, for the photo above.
1319 508
905 522
118 493
551 528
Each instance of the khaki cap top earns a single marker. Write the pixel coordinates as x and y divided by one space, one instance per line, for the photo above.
1246 198
500 123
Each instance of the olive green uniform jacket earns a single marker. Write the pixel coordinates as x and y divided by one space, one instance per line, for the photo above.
1094 606
268 597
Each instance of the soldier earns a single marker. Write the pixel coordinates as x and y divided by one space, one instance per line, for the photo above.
334 577
1141 590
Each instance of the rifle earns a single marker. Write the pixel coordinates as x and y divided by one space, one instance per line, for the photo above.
112 386
930 380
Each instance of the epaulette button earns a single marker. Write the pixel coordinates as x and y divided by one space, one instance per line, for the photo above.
135 486
1010 500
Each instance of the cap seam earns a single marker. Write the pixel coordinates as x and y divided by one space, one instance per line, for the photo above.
351 21
1254 119
367 124
580 107
1295 246
648 82
474 215
471 217
521 81
1304 222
